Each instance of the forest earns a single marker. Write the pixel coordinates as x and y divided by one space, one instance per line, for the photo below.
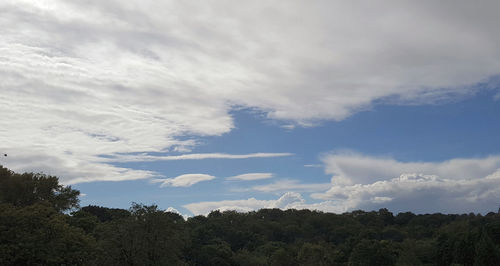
41 223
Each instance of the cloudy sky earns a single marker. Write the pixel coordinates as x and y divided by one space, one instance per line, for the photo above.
327 105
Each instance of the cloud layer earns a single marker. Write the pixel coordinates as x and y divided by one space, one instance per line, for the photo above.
80 80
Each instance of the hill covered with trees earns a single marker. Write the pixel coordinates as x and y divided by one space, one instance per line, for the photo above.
41 223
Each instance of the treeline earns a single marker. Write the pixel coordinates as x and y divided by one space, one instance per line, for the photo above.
42 224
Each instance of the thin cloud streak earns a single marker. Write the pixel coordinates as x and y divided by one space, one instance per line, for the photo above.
251 177
186 180
313 165
193 156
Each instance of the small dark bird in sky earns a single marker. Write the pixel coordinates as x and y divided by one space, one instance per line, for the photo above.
5 154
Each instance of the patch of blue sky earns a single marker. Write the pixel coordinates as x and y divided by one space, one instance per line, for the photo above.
466 128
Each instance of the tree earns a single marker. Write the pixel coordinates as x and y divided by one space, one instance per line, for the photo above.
317 254
372 252
282 257
26 189
147 237
486 251
39 235
104 214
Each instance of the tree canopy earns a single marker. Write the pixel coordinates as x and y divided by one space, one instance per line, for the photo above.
37 229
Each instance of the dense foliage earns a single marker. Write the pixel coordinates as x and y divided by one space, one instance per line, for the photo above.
35 228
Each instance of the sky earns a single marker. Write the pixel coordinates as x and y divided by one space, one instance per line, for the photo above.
222 105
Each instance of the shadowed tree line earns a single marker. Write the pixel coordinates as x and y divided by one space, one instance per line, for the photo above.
41 223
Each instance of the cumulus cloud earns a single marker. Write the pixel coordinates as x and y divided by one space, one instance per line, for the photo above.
456 185
251 176
203 208
173 210
186 180
83 80
420 193
352 168
287 201
452 186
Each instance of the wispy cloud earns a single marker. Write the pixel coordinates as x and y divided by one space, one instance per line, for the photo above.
186 180
251 176
193 156
313 165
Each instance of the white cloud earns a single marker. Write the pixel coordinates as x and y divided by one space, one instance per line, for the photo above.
288 200
86 79
251 176
186 180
